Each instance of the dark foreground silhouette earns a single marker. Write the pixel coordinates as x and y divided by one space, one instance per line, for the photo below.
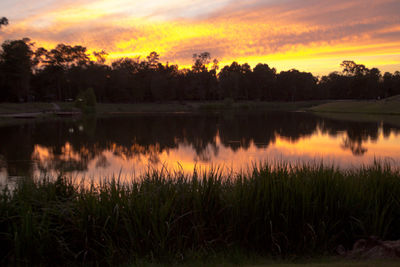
274 211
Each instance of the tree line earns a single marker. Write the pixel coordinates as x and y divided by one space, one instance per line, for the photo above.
62 73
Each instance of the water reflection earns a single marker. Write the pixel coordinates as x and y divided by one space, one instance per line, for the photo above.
129 145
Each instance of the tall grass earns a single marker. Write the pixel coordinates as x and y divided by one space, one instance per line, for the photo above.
274 210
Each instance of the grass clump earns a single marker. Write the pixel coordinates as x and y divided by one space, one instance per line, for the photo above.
166 217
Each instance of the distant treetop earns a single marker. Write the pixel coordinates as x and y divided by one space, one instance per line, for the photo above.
3 21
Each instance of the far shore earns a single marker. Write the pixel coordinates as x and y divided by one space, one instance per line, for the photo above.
36 109
387 107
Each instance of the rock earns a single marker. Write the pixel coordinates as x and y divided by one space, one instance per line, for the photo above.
373 248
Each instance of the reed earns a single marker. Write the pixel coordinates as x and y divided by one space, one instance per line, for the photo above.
274 210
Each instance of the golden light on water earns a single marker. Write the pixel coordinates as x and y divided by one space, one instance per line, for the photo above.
136 160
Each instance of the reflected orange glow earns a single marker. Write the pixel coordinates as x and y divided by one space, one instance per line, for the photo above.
69 154
136 160
41 153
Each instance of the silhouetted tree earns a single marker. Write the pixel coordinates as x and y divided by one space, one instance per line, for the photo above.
335 86
294 85
351 68
391 84
164 82
100 56
263 85
201 61
200 81
373 89
55 66
215 66
364 82
126 83
153 59
65 71
16 68
3 21
235 81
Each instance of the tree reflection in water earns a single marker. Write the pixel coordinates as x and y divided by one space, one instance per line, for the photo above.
74 145
355 146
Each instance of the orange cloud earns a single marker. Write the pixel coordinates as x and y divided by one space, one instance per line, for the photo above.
310 35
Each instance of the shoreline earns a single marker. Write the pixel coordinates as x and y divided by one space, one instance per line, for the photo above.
386 110
36 109
388 106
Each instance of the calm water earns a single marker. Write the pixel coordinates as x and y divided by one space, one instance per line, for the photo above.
130 144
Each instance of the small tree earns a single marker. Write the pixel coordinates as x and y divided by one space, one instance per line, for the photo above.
86 100
201 62
100 56
153 59
353 69
3 21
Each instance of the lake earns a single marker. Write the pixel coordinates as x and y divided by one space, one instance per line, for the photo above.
127 146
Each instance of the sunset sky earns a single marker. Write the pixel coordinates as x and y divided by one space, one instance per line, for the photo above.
310 35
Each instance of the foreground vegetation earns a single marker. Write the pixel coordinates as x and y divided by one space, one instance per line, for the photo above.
274 211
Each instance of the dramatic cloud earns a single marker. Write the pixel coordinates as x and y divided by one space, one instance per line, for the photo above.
306 34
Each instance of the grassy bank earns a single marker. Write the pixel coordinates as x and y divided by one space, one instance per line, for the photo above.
388 106
110 108
16 108
117 108
258 105
170 217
